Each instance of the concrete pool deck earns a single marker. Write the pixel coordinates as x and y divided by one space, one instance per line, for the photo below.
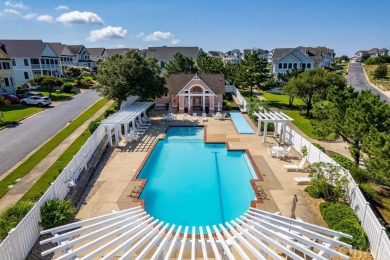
114 185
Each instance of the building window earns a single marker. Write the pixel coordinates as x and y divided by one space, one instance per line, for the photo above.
25 62
6 66
26 75
163 65
280 66
295 65
284 65
303 65
308 65
290 65
13 62
6 82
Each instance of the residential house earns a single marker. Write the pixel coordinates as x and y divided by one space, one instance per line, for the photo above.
233 56
361 55
263 54
374 52
165 54
284 59
97 54
31 58
65 55
118 51
191 92
215 54
81 56
6 72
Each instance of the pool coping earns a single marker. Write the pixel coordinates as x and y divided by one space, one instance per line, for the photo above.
228 148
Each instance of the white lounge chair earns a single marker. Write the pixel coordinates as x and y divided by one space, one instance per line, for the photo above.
302 180
138 131
145 121
185 115
132 136
296 167
194 117
287 152
204 117
139 126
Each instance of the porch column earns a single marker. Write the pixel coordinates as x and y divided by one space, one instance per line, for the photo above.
181 104
211 100
258 126
109 135
276 128
284 133
116 132
189 104
204 103
126 130
265 132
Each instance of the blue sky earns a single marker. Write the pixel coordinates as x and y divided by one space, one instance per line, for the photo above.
344 25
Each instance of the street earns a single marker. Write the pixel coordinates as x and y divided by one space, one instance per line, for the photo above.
17 142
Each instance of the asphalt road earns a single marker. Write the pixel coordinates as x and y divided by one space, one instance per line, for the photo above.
17 142
357 80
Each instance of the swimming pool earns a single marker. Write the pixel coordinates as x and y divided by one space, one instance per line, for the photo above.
191 183
240 123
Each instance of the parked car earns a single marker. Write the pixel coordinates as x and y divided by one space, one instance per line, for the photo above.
36 100
9 98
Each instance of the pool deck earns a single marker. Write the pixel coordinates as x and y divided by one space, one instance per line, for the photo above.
113 185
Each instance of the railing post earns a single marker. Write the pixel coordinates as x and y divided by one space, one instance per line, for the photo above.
383 232
365 213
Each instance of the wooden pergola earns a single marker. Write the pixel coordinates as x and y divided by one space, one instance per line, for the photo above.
133 233
280 120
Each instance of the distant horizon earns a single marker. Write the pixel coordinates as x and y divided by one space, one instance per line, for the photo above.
217 26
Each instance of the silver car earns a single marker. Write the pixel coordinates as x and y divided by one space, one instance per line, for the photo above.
36 100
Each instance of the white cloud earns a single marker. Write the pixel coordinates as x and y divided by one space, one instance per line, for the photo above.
62 7
18 5
29 16
106 33
158 36
77 17
10 11
175 41
45 18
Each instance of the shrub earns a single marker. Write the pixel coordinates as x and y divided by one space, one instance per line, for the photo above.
381 71
359 175
342 218
67 87
322 149
313 192
368 191
342 160
12 215
304 150
109 112
56 212
93 126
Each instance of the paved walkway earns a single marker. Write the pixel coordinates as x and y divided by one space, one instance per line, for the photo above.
17 192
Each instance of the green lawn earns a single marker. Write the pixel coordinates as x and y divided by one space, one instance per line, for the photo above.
17 112
35 158
57 96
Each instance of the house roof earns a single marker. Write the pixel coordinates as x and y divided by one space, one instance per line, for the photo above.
317 54
24 48
119 51
215 53
167 53
75 49
57 47
383 49
96 51
176 82
260 51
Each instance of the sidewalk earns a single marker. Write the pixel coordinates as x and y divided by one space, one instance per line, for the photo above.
29 180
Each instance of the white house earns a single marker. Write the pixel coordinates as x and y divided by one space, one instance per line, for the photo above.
7 83
263 54
97 54
81 56
65 55
31 58
284 59
233 56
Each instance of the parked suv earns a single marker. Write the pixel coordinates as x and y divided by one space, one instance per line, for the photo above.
36 100
9 98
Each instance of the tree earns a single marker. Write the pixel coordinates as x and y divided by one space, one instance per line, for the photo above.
77 72
313 85
381 71
231 72
290 89
377 146
47 82
209 65
129 75
253 72
341 58
351 115
181 65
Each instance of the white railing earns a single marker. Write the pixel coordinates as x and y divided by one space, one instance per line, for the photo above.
22 238
379 241
234 90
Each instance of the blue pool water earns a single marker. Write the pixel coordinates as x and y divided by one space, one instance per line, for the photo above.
240 123
193 183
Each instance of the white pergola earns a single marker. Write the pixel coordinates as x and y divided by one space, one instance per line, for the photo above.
280 120
132 233
124 117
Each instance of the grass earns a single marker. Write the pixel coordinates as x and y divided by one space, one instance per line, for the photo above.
40 154
384 84
55 169
56 96
12 113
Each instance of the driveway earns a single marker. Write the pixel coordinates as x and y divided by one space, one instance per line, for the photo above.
357 79
19 141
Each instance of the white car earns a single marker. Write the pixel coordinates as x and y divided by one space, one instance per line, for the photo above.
36 100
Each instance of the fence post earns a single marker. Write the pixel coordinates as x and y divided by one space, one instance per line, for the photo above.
365 212
383 232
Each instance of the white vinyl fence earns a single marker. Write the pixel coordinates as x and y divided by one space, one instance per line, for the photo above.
21 239
379 241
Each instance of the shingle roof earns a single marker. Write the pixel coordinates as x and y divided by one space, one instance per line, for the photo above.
57 47
75 49
260 51
281 52
95 51
167 53
119 51
215 53
176 82
24 48
317 54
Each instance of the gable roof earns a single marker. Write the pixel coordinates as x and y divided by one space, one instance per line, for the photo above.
119 51
57 47
317 54
167 53
75 49
96 51
24 48
176 82
215 53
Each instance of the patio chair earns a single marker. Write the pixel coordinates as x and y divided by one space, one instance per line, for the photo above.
204 117
185 115
261 193
138 131
302 180
194 115
145 121
271 152
132 136
139 126
136 192
287 152
296 167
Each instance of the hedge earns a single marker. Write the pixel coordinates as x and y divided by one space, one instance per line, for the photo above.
12 215
56 212
342 161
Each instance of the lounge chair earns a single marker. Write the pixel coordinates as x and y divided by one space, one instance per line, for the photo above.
145 121
302 180
194 117
287 152
138 131
132 136
272 152
204 117
185 115
140 127
296 167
